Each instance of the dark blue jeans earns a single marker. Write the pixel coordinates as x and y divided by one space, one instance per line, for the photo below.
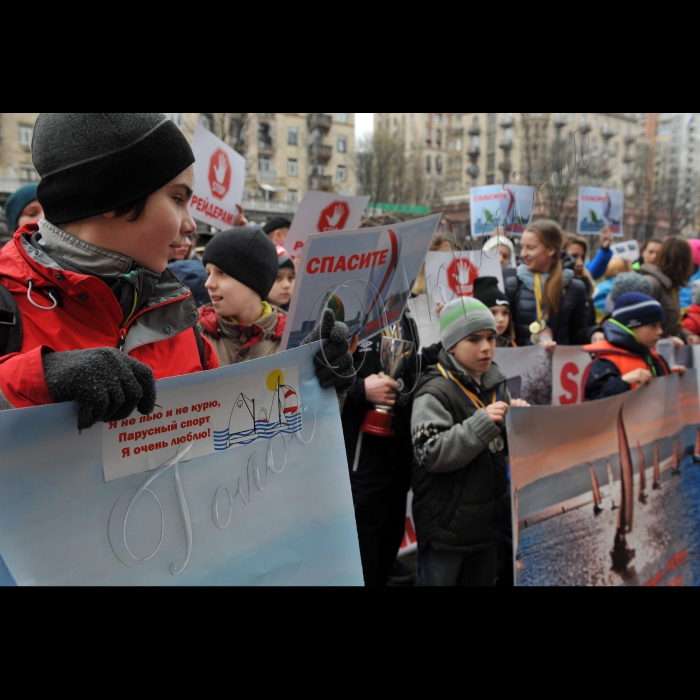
457 568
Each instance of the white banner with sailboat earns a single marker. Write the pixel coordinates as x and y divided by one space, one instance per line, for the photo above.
606 492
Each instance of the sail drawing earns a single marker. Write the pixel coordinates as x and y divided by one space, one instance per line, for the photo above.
597 500
696 448
621 553
283 417
516 527
611 487
642 497
657 469
676 469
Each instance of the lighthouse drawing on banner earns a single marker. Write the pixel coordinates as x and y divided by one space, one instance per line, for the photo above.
276 412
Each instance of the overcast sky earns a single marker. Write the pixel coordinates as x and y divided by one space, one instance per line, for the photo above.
364 122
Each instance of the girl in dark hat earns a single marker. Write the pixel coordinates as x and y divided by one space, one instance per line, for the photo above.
487 292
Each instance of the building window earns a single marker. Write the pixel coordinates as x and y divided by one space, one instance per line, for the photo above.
427 165
491 161
27 173
265 137
492 120
438 138
342 175
25 135
492 141
265 164
177 118
292 167
438 164
206 121
292 135
489 179
292 196
343 117
342 144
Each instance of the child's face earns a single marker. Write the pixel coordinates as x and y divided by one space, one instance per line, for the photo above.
536 256
576 251
502 316
281 293
229 297
475 352
504 255
156 235
649 334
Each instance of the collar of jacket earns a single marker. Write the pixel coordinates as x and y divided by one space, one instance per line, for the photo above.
162 318
655 272
621 339
490 379
528 278
270 326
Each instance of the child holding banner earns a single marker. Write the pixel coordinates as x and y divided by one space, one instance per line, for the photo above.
626 358
281 293
461 502
93 314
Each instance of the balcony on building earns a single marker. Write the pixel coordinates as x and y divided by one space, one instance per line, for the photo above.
584 126
506 165
630 139
506 143
474 129
473 171
324 152
321 182
607 132
455 133
559 120
473 151
506 122
267 175
323 122
629 157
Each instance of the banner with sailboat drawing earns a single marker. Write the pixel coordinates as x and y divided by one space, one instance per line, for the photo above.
606 493
510 206
599 207
238 478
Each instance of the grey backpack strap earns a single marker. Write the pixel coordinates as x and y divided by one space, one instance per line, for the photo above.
10 323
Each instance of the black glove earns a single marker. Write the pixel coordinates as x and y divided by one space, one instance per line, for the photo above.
108 383
334 364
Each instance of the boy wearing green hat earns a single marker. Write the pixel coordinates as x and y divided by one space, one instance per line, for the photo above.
461 501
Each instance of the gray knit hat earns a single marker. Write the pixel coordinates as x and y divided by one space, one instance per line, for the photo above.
93 162
627 282
462 317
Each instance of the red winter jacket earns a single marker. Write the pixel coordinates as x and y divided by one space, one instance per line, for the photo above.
691 321
88 316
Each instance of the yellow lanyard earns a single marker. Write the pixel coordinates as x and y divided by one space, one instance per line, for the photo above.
475 401
539 293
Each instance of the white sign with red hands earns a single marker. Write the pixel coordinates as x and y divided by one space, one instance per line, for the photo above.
570 368
219 178
454 273
320 212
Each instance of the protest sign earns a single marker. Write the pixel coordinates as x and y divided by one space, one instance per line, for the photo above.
365 276
605 492
599 207
450 274
409 543
628 250
424 312
570 366
528 371
219 177
509 206
321 212
266 502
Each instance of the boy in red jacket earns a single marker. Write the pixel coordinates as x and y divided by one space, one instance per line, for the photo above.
101 316
691 321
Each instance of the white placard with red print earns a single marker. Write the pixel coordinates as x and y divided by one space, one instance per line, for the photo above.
570 366
452 274
409 543
219 178
320 212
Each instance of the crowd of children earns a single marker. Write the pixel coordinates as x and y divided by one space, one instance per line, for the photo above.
113 290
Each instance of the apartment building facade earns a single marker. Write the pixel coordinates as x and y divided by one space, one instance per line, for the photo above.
286 154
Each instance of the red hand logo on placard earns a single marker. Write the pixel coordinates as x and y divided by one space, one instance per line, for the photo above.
334 217
219 174
461 274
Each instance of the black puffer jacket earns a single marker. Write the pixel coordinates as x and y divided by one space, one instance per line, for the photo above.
569 326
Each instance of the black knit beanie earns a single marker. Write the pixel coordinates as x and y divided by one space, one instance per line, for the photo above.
273 224
91 163
487 292
248 255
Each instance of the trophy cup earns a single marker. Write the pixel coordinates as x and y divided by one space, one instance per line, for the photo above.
395 354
